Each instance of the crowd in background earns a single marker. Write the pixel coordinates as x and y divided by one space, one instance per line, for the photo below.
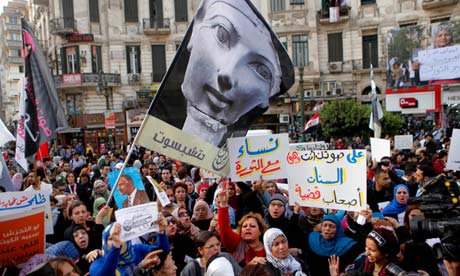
214 226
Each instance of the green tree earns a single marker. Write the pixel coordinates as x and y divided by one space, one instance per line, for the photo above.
347 118
391 123
344 118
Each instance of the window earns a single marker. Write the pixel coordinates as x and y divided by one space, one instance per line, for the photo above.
404 25
300 50
96 58
334 47
440 19
370 51
73 104
131 11
367 2
277 5
158 62
13 20
296 1
94 11
283 41
133 59
21 69
180 10
70 60
15 53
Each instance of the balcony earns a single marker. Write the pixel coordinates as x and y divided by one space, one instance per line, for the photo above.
15 60
63 25
153 26
432 4
13 27
324 16
14 43
85 79
358 65
41 2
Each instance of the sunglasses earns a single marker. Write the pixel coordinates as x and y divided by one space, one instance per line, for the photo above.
183 214
172 220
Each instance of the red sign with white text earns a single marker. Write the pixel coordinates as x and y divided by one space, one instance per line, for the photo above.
408 102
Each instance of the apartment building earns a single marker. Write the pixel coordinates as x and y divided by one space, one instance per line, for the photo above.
11 62
133 42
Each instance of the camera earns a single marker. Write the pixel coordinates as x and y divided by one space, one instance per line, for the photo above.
396 270
440 204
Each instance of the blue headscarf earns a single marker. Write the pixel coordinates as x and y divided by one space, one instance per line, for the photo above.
337 246
394 207
127 261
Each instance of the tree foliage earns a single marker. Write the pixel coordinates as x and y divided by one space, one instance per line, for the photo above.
347 118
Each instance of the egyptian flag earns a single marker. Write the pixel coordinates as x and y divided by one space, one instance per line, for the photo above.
314 121
228 67
41 113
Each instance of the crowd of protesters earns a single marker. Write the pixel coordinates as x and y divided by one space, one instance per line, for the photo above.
218 227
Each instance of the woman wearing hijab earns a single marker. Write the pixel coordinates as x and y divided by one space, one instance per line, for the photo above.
184 223
398 205
202 215
121 258
80 239
17 180
279 260
331 241
99 203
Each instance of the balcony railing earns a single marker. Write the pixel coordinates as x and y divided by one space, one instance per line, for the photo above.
432 4
15 60
324 16
85 79
154 26
358 64
14 43
63 25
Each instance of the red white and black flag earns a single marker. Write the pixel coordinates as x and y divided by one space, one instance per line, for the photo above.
40 113
314 121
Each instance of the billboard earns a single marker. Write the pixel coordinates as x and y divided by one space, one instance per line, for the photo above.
424 55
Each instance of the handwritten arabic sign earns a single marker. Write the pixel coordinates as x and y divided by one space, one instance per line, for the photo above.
440 63
453 158
162 137
14 202
380 148
404 141
333 179
255 156
320 145
22 235
137 220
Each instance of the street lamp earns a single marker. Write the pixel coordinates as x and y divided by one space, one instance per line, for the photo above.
103 89
302 103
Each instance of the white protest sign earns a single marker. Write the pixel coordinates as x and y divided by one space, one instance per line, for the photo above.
26 201
332 179
164 199
137 220
404 141
380 148
453 158
440 63
320 145
255 156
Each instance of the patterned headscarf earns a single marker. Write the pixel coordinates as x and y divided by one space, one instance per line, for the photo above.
126 261
287 265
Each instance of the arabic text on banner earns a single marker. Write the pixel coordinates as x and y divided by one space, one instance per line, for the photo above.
255 156
440 63
453 158
332 179
22 235
26 201
137 220
320 145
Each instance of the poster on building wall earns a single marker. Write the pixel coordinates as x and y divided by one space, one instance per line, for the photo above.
423 54
225 72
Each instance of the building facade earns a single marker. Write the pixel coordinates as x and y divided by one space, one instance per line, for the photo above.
111 55
11 62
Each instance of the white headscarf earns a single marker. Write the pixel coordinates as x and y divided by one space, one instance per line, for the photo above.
220 266
287 265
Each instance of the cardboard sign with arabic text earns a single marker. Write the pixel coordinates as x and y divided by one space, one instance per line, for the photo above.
331 179
255 156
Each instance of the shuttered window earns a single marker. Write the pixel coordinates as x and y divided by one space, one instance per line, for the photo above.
133 59
370 51
94 11
131 12
180 10
158 62
335 47
96 58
